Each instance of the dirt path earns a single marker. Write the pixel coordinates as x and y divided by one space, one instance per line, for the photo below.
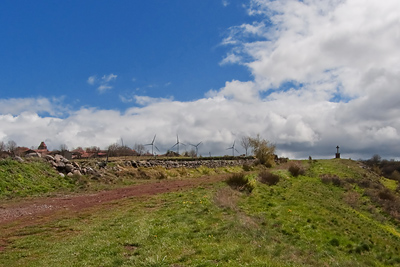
27 211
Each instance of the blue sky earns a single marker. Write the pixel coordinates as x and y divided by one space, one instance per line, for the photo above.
305 75
158 48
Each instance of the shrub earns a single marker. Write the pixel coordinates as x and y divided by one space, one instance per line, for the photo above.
386 195
296 170
268 178
331 179
334 242
240 182
247 167
263 151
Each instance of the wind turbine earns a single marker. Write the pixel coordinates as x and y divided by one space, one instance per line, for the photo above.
197 146
177 144
152 145
233 148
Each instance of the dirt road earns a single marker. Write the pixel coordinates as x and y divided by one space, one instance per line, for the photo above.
27 211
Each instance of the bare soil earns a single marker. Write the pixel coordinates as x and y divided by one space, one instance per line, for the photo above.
29 211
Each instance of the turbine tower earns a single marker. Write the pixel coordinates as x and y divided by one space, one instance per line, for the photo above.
233 149
152 145
197 146
177 144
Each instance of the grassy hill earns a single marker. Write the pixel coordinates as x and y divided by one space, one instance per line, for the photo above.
336 213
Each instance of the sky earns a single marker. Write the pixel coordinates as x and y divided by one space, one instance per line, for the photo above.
305 75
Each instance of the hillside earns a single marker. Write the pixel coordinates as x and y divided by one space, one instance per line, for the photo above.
336 213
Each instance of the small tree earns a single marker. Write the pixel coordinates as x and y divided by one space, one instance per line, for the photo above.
263 150
113 150
2 146
140 149
11 146
245 142
63 147
192 153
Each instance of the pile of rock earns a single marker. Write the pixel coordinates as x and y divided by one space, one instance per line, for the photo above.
169 164
69 168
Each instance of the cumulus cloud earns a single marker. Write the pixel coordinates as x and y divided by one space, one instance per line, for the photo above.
325 73
41 105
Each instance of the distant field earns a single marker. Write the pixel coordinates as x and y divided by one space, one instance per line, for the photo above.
334 214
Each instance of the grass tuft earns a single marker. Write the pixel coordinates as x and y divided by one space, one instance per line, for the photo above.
241 182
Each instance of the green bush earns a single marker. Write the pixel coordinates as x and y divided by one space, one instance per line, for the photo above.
263 150
241 182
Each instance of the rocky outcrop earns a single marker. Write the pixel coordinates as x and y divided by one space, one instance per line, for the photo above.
69 168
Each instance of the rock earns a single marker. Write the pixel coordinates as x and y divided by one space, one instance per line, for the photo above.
32 155
19 159
49 158
62 174
77 172
69 167
58 158
70 174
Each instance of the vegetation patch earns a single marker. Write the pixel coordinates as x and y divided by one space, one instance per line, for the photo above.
296 169
268 178
241 182
307 221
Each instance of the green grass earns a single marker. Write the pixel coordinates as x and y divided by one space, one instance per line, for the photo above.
300 221
30 178
37 178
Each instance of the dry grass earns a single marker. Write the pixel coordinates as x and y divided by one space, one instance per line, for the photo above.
227 198
268 178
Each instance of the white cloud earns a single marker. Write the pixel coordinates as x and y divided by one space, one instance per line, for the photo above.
104 82
225 3
15 106
91 80
108 78
102 88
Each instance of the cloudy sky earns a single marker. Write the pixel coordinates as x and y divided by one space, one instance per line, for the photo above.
307 75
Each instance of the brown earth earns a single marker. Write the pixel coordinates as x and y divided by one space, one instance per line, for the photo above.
29 211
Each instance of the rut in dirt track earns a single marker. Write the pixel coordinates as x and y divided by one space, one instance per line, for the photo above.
27 210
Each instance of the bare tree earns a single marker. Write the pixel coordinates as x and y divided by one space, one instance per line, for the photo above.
245 143
140 149
192 153
63 147
2 146
113 150
11 146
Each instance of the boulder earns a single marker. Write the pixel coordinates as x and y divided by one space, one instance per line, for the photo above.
69 167
77 172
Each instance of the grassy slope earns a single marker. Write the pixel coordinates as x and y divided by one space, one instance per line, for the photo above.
299 221
38 178
30 178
